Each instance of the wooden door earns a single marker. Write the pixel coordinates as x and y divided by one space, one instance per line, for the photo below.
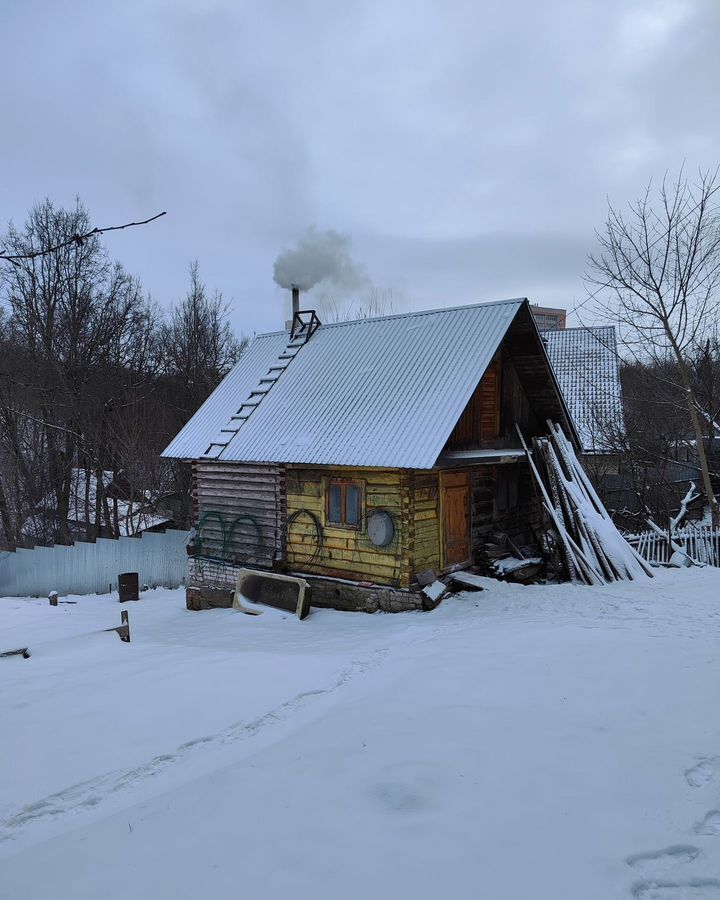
456 517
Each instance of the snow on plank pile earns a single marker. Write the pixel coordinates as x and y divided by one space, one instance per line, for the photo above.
593 550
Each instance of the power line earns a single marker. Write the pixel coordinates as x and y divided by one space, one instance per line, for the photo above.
76 240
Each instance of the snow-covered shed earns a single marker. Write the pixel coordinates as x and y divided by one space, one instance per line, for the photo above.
369 451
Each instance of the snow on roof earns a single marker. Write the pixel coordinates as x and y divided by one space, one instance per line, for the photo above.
193 439
374 392
586 365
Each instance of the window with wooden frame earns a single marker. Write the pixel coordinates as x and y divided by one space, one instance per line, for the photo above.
343 503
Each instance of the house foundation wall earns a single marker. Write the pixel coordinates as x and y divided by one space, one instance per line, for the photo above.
330 593
211 584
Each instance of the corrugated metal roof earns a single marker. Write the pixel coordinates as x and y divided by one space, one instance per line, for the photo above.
375 392
587 369
192 441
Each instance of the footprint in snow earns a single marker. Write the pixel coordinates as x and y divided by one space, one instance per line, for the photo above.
408 789
703 771
659 861
694 889
710 824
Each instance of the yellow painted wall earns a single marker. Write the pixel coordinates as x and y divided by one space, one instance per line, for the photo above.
411 497
425 552
346 552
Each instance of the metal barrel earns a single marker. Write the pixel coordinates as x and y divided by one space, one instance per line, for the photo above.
129 586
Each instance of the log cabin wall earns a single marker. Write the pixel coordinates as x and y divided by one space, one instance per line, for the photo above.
425 550
514 406
240 509
524 347
498 507
479 425
319 547
497 404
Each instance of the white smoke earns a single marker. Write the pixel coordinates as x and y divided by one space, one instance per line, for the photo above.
320 256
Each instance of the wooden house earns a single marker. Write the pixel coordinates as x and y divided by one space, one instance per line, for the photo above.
363 454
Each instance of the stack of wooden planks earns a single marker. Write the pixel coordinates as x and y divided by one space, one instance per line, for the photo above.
591 548
499 557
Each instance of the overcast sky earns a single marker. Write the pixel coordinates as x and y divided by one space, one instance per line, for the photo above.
468 148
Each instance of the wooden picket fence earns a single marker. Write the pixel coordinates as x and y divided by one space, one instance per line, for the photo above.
700 542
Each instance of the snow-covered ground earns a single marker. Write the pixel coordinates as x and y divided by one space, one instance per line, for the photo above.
523 743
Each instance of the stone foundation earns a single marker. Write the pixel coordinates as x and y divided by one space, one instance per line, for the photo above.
204 573
330 593
211 584
197 598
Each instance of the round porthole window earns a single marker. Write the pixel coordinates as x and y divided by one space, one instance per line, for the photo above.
380 528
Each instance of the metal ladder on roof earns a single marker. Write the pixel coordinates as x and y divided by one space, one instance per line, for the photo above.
301 332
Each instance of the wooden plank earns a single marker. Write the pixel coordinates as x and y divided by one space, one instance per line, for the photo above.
234 469
246 498
455 492
480 419
468 579
371 568
268 479
426 544
238 507
268 482
240 485
227 489
20 651
407 543
366 552
426 522
426 515
454 479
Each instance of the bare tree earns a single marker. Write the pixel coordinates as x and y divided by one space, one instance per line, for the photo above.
72 317
661 261
198 343
377 303
198 348
705 369
94 383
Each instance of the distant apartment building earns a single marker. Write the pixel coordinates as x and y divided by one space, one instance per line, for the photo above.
549 319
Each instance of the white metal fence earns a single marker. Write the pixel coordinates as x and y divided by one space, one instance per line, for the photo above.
700 542
83 568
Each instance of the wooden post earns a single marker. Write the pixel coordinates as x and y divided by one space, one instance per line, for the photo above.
670 540
21 651
123 629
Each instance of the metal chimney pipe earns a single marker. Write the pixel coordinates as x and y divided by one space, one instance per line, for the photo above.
295 299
